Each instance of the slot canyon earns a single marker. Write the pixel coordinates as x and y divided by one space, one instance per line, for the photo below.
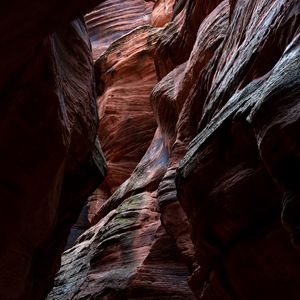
150 150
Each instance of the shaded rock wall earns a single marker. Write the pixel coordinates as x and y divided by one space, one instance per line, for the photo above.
50 157
239 196
199 121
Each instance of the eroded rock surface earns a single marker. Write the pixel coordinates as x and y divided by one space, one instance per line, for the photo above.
127 254
216 187
234 173
112 19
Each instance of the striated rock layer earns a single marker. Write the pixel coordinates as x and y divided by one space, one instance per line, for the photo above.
127 123
127 254
112 19
203 159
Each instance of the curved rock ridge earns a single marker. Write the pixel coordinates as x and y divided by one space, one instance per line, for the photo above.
112 19
127 254
202 167
162 12
146 176
125 76
50 157
176 106
177 40
258 34
240 154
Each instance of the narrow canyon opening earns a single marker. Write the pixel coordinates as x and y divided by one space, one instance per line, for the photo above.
150 150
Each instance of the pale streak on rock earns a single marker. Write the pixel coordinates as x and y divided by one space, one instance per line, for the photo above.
112 19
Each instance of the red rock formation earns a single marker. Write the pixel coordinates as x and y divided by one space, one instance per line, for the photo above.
124 60
162 13
138 257
203 165
127 254
126 118
227 180
112 19
126 77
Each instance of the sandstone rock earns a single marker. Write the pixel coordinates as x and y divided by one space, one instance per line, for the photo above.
240 140
112 19
178 39
176 106
220 176
127 125
162 12
126 75
146 176
127 255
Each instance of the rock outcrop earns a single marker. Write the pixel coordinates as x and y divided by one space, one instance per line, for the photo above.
233 176
127 254
198 102
221 170
112 19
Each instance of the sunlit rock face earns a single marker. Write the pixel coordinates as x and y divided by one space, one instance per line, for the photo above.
162 12
126 76
112 19
50 157
199 121
123 46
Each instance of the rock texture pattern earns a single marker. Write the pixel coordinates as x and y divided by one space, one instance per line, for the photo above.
127 254
203 159
112 19
50 158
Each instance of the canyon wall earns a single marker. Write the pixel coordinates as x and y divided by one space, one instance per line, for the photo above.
127 253
199 115
198 110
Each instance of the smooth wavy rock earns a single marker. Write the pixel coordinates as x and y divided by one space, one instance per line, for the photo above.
126 76
128 253
215 190
162 12
112 19
175 107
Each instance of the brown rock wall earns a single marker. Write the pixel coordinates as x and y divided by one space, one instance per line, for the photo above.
126 77
220 176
